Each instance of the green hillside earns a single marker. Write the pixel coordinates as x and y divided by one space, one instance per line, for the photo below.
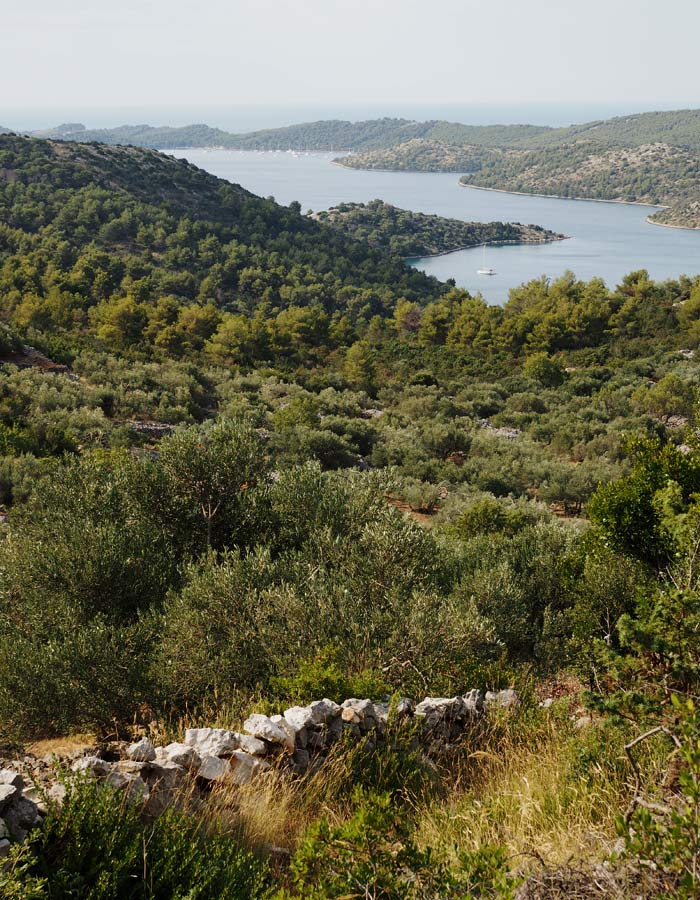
164 138
678 128
420 155
651 173
680 215
89 230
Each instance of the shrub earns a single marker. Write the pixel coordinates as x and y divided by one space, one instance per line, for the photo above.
322 675
96 847
541 367
488 516
93 674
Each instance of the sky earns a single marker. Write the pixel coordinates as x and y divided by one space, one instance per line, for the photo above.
103 55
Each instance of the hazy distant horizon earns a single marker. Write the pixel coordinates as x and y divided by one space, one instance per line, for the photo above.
252 117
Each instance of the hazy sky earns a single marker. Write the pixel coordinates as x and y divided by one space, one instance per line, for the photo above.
120 53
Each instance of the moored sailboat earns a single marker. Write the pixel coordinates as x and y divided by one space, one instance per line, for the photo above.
485 270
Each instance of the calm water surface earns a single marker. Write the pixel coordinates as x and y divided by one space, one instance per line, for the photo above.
606 239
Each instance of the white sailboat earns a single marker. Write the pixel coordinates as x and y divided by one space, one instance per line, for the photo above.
485 270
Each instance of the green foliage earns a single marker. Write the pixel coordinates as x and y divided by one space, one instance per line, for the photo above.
637 514
488 516
659 655
88 254
59 673
671 396
340 568
322 676
589 168
520 585
544 369
214 471
96 847
16 879
373 854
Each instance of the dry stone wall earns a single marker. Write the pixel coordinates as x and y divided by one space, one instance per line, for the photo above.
298 739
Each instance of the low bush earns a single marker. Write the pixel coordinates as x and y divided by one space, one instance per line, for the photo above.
96 847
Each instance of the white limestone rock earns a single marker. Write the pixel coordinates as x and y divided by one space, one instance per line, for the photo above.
435 710
9 776
182 755
350 716
322 711
289 730
506 699
214 768
8 792
252 745
244 767
141 751
21 817
212 741
299 717
263 728
473 703
93 765
134 787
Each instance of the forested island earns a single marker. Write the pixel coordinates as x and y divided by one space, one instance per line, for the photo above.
411 234
402 586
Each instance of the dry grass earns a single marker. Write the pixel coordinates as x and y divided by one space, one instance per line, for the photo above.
533 799
276 809
531 792
546 792
63 746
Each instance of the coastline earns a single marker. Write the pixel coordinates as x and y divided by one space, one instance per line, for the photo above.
650 221
564 237
335 162
477 187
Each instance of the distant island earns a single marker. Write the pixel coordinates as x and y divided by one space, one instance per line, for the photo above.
412 234
323 136
644 158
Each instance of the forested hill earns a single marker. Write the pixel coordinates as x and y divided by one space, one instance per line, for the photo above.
678 128
652 173
334 134
125 243
416 234
156 138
